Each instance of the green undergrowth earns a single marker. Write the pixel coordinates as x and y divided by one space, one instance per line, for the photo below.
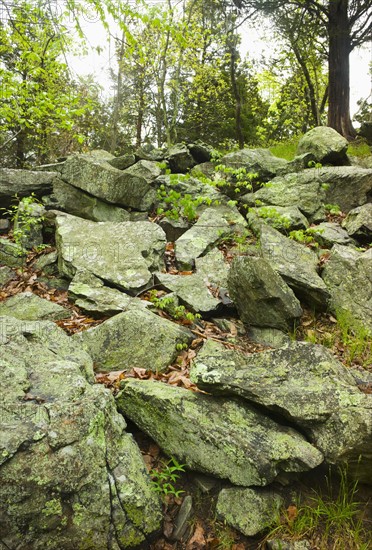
359 148
164 478
285 149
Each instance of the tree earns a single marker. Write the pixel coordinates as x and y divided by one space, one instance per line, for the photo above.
347 24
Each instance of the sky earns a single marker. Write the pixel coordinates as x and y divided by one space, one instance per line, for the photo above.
253 45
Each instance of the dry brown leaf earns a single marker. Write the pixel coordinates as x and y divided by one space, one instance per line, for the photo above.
197 540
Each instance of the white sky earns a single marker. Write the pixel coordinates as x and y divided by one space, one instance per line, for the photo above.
252 44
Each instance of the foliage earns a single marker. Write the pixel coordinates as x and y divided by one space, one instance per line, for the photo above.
286 149
168 304
277 220
23 213
176 205
163 480
359 148
332 209
304 236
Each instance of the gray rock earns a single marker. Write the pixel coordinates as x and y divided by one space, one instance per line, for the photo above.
181 522
187 185
4 226
250 511
91 295
79 203
22 183
214 223
347 274
259 161
279 544
200 151
330 233
6 275
271 337
70 474
28 223
346 186
303 383
123 254
179 158
98 178
46 262
261 296
296 263
134 338
327 145
145 169
288 218
11 254
123 162
31 307
358 222
174 228
218 436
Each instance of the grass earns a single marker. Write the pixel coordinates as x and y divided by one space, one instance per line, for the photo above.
285 149
359 148
329 519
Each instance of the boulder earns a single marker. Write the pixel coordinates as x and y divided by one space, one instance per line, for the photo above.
287 218
346 186
11 254
91 295
71 477
250 511
146 169
218 436
123 162
134 338
329 233
30 307
325 144
358 222
261 296
179 158
347 274
296 264
6 275
81 204
22 183
258 161
304 384
98 178
200 151
213 224
123 254
28 223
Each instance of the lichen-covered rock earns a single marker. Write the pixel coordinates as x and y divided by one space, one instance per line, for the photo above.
296 264
98 178
134 338
358 222
71 477
330 233
79 203
281 217
28 223
124 254
250 511
303 383
146 169
258 161
214 223
6 275
11 254
22 183
31 307
218 436
179 158
261 296
123 162
347 274
325 144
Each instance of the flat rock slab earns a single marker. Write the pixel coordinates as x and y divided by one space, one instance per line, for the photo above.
24 182
330 233
214 223
347 274
68 468
261 296
296 263
134 338
358 222
30 307
250 511
123 254
303 383
223 437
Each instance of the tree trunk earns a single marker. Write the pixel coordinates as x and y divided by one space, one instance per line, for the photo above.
339 71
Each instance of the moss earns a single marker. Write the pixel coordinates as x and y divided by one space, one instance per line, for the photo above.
52 507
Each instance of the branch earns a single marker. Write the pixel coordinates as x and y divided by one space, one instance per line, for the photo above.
10 139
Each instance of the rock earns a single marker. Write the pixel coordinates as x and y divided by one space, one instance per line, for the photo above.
123 162
134 338
214 223
250 511
11 254
303 383
181 522
327 145
22 183
366 131
358 222
179 158
259 161
6 275
280 217
30 307
4 226
347 274
279 544
271 337
71 477
187 186
28 223
202 291
222 437
91 295
261 296
346 186
174 228
330 233
78 203
123 254
297 164
296 263
200 152
145 169
98 178
46 262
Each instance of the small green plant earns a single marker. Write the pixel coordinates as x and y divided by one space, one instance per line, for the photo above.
304 236
332 209
241 178
168 304
314 164
277 220
175 205
163 480
24 217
